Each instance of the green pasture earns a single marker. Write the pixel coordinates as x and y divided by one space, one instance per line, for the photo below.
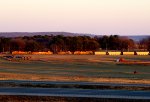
78 65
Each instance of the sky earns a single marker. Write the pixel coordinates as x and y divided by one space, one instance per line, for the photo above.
103 17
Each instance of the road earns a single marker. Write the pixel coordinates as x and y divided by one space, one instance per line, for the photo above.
71 83
67 92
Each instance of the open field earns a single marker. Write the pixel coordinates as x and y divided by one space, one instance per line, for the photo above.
85 68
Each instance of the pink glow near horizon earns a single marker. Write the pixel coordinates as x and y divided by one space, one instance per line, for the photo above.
83 16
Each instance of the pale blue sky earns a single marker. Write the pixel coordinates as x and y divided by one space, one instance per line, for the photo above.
126 17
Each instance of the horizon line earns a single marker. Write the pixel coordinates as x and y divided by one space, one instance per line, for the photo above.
74 33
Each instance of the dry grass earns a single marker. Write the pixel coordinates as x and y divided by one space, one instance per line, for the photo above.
34 77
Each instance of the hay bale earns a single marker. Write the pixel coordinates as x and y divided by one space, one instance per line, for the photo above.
122 60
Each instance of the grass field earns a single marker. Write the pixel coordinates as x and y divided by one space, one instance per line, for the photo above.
75 68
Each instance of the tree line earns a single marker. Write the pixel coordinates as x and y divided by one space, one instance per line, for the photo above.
144 44
67 43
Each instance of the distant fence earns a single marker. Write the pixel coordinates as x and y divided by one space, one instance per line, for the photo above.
34 53
76 53
143 53
82 53
20 53
122 53
100 53
42 53
64 53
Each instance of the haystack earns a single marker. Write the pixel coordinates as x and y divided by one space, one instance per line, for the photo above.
121 60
